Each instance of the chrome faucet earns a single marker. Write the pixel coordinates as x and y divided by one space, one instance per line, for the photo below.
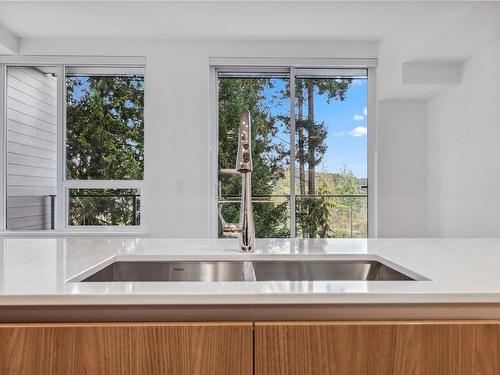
245 229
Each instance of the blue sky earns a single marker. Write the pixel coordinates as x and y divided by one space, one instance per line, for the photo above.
346 122
347 128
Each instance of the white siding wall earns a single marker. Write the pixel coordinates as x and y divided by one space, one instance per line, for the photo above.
31 147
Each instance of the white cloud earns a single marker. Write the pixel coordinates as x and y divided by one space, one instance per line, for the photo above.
365 111
358 117
339 134
359 131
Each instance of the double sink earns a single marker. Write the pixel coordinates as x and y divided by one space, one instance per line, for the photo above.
258 270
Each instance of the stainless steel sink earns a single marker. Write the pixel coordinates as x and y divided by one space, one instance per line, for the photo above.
325 270
171 271
290 270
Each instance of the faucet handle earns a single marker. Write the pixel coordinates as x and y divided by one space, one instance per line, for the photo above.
226 172
229 229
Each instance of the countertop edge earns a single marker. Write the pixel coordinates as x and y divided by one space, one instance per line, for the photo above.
272 299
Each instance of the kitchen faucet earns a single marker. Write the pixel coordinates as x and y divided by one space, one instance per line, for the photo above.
245 229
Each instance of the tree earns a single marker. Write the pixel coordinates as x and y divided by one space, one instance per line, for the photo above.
105 127
314 215
105 141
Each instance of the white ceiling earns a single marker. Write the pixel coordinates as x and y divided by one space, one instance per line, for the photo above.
224 19
404 30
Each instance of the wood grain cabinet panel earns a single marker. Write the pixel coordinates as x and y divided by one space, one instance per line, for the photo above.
377 348
138 349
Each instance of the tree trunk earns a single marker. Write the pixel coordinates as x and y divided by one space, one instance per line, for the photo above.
300 131
311 163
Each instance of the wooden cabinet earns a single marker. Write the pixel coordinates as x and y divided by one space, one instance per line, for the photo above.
274 348
377 348
138 349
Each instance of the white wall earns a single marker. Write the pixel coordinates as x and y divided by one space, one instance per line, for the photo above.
177 129
402 168
464 152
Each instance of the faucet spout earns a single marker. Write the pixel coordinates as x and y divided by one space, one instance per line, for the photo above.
245 229
247 233
244 156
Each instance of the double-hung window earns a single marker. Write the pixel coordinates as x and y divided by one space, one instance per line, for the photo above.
74 148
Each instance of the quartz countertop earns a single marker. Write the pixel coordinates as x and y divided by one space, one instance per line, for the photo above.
42 270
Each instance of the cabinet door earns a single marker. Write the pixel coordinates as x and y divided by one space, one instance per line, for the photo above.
378 348
138 349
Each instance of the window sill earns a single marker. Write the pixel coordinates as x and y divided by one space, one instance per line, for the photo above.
48 233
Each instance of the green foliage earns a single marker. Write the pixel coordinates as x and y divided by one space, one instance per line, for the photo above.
313 213
104 207
347 183
341 233
105 127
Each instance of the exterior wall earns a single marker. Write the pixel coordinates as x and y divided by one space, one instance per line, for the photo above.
31 147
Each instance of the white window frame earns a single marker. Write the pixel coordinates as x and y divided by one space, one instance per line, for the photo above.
63 185
290 64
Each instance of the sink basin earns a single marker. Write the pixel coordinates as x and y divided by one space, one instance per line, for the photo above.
171 271
289 270
325 270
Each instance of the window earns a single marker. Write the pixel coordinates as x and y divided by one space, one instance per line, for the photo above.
74 147
104 145
313 183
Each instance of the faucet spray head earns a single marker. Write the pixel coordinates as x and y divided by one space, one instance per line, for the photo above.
244 157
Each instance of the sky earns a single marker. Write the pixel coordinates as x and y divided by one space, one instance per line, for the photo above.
347 130
346 122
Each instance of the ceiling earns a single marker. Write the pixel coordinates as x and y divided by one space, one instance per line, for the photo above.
404 30
295 20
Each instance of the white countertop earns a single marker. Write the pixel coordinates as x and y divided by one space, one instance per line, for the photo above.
36 271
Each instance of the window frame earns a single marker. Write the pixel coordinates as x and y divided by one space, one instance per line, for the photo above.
255 65
63 185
